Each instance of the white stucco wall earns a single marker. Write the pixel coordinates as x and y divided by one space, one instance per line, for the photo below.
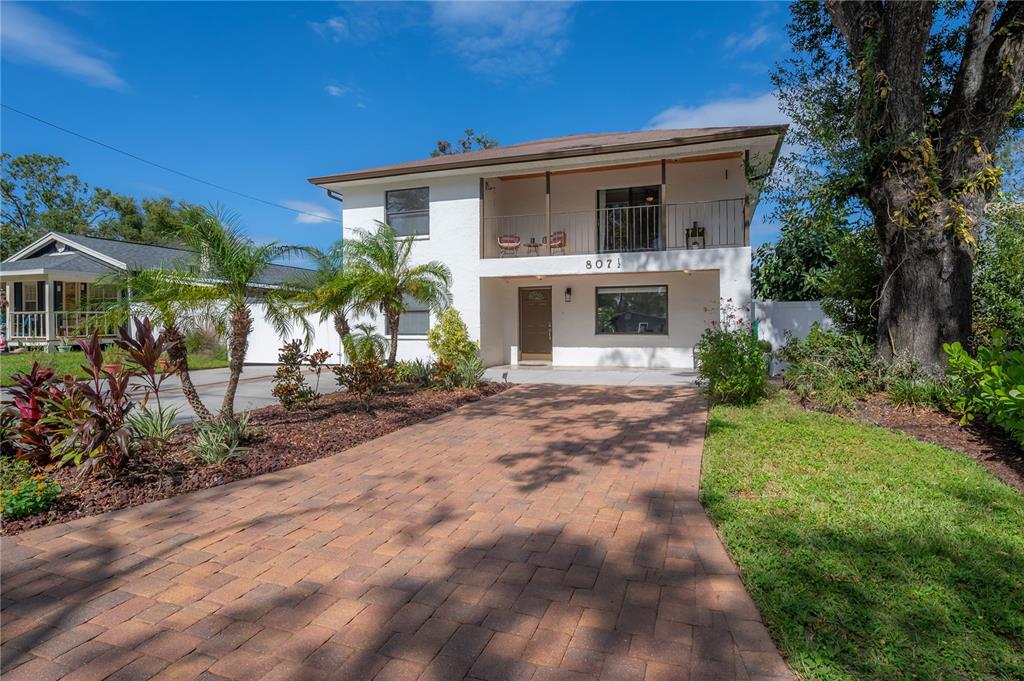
485 290
692 304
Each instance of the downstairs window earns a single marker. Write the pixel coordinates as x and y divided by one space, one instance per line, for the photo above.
632 310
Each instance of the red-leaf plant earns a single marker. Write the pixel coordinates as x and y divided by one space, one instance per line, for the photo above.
30 392
144 349
89 418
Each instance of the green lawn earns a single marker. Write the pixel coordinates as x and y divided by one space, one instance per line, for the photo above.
871 555
71 362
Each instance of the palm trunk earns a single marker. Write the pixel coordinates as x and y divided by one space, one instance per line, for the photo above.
177 353
341 325
393 318
238 345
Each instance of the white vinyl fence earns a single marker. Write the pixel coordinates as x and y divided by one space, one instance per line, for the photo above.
264 342
777 318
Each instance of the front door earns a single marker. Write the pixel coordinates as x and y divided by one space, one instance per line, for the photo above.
535 323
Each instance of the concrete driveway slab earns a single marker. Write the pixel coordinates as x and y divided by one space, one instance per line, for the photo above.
548 532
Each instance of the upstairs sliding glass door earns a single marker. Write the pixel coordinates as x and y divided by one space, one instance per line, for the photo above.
629 219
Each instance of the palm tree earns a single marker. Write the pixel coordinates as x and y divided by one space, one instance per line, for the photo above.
229 276
330 292
383 277
168 299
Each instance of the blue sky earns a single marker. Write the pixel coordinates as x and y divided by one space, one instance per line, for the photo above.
260 96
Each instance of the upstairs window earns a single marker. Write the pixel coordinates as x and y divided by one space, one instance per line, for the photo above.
408 211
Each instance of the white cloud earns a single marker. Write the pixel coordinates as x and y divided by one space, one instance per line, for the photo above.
503 40
337 90
759 110
738 42
29 37
335 28
312 213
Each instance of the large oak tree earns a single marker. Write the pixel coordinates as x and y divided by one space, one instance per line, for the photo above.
901 106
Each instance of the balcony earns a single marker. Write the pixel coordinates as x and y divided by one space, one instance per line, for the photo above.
655 227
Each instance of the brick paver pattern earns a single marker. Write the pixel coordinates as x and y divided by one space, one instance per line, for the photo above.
545 533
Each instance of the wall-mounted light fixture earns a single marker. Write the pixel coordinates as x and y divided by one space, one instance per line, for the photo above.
568 294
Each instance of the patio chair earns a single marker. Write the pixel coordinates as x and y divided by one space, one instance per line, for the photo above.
509 244
559 240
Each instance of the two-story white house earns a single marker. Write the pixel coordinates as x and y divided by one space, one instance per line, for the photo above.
587 250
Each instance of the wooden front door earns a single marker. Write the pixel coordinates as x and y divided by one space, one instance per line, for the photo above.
535 323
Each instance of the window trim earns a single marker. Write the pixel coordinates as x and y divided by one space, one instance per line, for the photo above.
34 287
387 212
597 324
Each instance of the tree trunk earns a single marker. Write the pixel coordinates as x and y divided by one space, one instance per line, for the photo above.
393 318
925 299
238 345
341 325
177 353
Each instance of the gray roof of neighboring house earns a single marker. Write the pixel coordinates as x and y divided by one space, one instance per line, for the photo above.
560 147
136 256
69 261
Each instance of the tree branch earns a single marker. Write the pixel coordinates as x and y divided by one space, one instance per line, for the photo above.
907 26
968 78
853 19
988 85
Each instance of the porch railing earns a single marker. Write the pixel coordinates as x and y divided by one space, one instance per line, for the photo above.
63 325
26 325
706 224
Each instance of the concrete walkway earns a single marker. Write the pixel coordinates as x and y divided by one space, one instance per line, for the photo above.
546 533
523 373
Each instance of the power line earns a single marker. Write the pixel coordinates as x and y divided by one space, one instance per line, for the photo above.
169 170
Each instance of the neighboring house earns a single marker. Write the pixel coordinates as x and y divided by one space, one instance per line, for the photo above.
589 250
51 287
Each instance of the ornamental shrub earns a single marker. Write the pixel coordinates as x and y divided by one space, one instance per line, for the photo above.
833 368
992 384
732 367
449 338
290 387
22 493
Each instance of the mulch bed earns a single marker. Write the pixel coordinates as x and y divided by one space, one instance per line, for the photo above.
281 439
982 442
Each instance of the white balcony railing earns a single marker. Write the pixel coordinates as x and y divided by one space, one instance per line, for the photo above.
706 224
67 324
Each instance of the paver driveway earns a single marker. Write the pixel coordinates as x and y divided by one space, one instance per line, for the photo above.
547 533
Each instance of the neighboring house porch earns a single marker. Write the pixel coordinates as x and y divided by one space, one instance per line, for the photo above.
53 288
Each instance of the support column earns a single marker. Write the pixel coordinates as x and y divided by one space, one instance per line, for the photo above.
547 206
483 230
664 207
9 294
51 330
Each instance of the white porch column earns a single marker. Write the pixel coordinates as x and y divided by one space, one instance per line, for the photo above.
9 293
51 323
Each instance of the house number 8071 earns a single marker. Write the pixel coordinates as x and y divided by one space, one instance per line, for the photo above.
606 264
